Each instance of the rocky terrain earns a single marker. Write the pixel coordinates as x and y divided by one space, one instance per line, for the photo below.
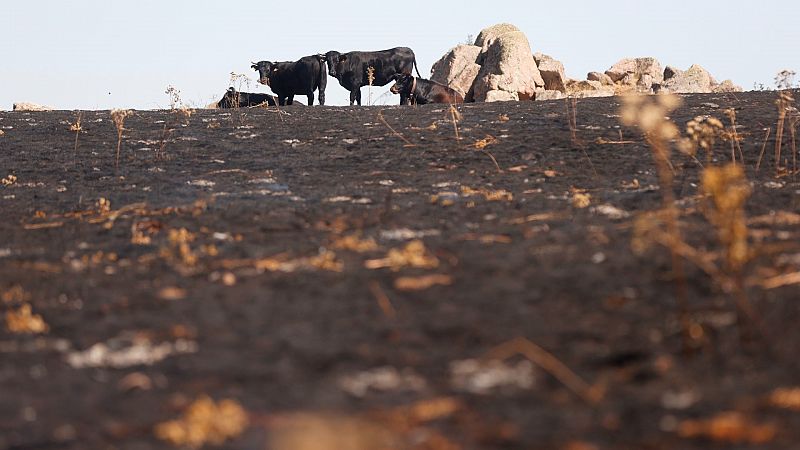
500 66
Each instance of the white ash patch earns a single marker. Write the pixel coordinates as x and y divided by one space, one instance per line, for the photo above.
383 379
123 352
407 234
610 211
201 183
484 377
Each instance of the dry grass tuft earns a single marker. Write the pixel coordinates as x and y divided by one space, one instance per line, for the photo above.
500 195
204 422
8 180
76 128
729 427
703 132
423 282
355 243
118 116
24 321
728 190
414 255
786 398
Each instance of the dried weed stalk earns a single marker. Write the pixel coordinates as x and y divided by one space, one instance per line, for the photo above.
370 80
76 127
456 117
649 115
383 121
733 136
591 394
179 116
703 132
727 189
119 116
785 108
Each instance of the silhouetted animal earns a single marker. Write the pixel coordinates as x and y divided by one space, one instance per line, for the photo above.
351 68
422 91
235 99
287 79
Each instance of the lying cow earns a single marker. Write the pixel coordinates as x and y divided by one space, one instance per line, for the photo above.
287 79
422 91
234 99
351 69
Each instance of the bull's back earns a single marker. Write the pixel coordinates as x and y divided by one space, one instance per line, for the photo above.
386 63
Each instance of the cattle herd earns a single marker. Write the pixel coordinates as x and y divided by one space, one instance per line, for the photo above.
354 70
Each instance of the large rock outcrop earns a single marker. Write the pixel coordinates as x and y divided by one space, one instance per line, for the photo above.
639 74
552 71
588 88
27 106
458 68
694 80
508 70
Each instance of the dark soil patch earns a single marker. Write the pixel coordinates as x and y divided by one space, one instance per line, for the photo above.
257 302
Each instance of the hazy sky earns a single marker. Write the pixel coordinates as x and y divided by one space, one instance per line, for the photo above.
98 54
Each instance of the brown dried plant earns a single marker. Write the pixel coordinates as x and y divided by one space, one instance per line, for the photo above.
703 132
649 115
119 116
727 189
414 254
785 109
730 427
76 127
24 321
456 117
733 136
9 180
370 80
204 422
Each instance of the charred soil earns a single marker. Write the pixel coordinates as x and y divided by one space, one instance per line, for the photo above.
361 278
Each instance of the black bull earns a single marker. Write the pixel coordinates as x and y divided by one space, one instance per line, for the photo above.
287 79
352 69
422 91
235 99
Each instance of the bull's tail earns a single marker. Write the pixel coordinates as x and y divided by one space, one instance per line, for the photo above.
322 80
415 67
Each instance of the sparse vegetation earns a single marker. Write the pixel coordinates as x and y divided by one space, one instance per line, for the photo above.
118 116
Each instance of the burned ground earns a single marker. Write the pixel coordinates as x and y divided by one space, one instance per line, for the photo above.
363 276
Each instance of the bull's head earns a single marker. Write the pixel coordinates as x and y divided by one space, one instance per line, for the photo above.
335 61
264 69
403 84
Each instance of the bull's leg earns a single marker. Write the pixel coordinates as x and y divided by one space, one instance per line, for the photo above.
311 99
358 96
321 97
290 99
353 94
403 99
282 100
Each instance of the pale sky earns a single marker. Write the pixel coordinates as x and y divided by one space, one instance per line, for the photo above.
99 54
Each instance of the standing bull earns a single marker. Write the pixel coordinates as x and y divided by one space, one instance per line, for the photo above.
351 69
287 79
